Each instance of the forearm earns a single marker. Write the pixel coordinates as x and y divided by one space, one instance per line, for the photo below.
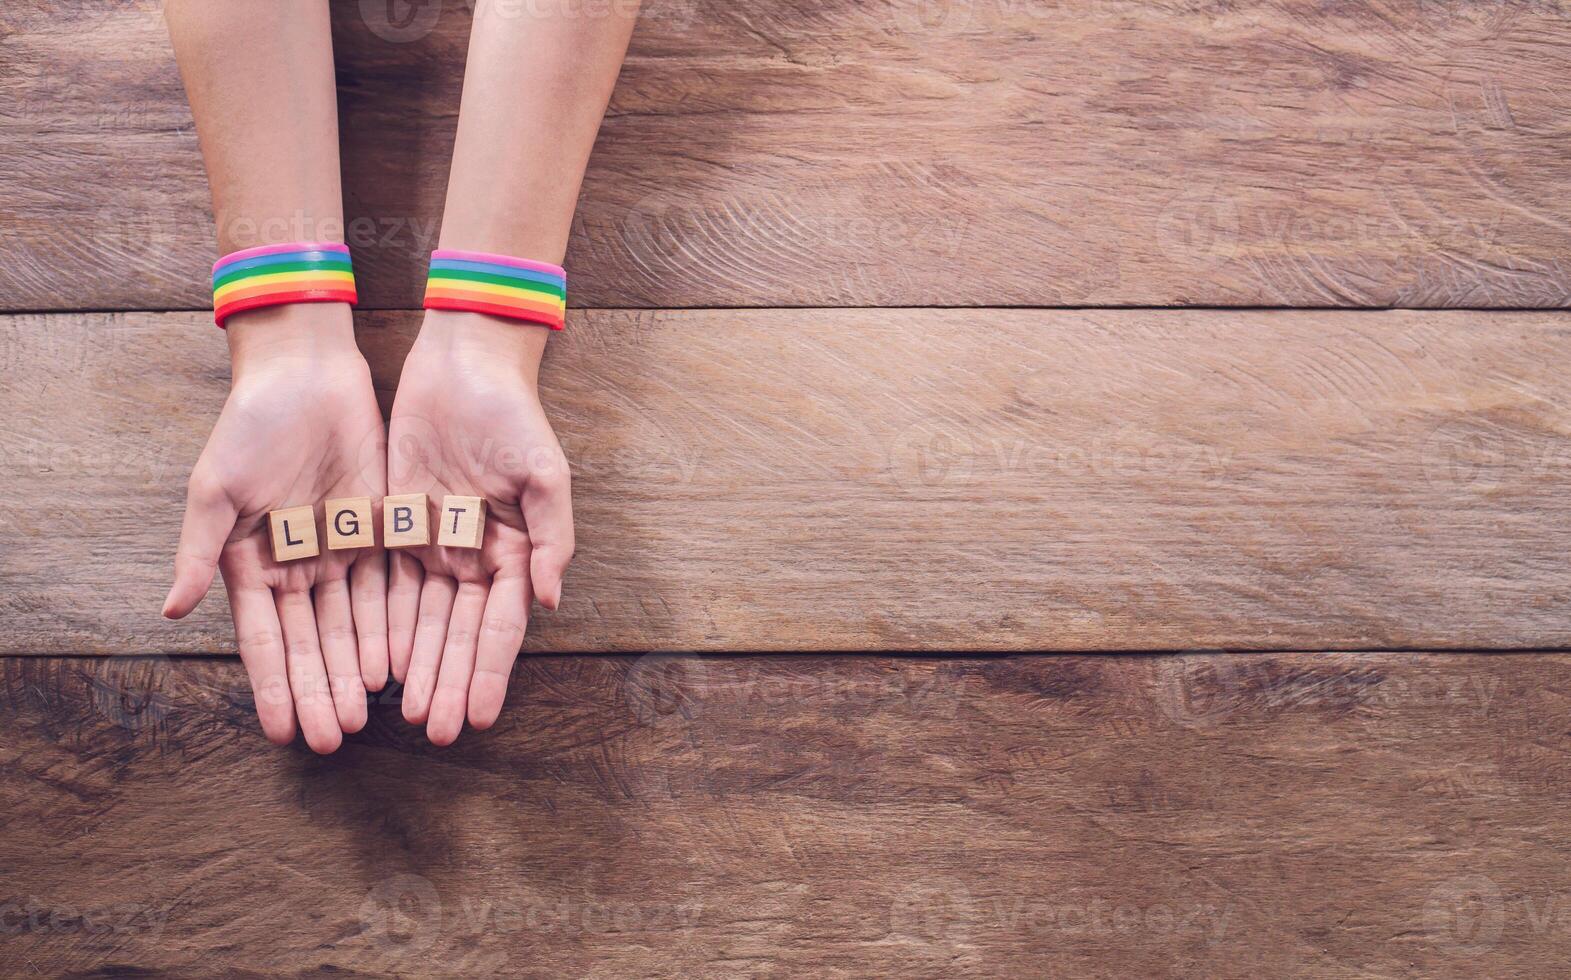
538 78
259 76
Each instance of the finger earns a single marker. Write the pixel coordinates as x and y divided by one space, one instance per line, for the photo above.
547 503
501 634
403 610
451 700
307 678
368 596
436 607
335 628
261 643
209 518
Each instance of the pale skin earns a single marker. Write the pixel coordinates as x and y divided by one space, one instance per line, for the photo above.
301 424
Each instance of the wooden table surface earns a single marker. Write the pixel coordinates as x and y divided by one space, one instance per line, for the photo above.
1064 489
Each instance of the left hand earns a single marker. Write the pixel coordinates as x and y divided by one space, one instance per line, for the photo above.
300 426
467 421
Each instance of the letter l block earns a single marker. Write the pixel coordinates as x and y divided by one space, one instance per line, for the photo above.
293 532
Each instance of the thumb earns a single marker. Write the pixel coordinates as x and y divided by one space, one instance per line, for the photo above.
209 517
547 504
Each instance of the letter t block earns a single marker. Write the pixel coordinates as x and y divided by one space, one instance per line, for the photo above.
463 522
293 531
405 521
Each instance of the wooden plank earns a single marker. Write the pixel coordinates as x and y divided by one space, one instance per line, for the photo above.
902 479
1269 815
962 153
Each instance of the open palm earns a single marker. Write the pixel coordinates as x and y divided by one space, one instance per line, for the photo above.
312 632
456 617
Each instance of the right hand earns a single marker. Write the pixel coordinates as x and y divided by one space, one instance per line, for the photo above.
301 425
468 421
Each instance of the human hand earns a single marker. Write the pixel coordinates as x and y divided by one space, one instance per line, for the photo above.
467 421
301 425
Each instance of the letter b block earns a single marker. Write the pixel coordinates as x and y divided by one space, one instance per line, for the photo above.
405 522
463 522
350 524
293 531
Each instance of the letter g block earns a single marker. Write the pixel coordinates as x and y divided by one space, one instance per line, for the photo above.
350 524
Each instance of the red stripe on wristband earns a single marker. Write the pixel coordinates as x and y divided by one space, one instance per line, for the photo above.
279 298
495 309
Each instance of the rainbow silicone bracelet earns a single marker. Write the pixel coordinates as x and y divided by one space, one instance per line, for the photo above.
500 285
268 275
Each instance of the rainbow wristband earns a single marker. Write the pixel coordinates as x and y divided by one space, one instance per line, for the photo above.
268 275
500 285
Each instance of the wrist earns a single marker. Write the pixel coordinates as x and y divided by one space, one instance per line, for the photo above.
462 339
297 337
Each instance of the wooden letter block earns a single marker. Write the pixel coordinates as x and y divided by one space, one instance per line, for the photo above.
293 531
405 522
463 522
350 524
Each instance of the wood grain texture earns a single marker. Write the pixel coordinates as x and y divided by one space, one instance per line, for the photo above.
892 480
849 153
1308 815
